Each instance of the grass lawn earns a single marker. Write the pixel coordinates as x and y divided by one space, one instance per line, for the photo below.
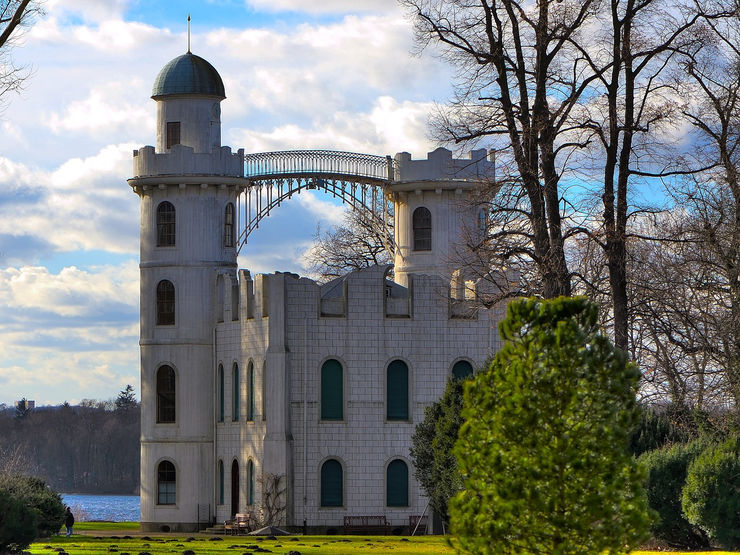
306 545
237 545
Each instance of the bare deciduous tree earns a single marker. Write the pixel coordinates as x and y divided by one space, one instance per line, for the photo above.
361 241
576 97
14 16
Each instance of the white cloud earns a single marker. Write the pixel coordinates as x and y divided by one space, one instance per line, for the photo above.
389 127
71 292
105 110
69 334
83 204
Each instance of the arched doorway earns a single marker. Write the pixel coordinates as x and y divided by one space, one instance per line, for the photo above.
234 488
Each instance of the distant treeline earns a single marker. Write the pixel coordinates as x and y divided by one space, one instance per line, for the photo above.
88 448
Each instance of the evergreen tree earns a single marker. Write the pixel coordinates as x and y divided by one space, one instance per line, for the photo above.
543 449
126 399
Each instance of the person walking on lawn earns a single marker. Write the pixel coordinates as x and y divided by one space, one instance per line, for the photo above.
69 521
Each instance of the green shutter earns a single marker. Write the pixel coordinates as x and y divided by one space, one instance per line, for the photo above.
462 370
331 484
250 400
397 390
332 391
235 412
397 484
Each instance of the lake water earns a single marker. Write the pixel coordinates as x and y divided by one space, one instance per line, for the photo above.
118 508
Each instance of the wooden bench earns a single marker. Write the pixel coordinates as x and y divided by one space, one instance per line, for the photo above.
421 521
238 526
366 524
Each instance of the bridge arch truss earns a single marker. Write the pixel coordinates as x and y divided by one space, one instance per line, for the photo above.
359 180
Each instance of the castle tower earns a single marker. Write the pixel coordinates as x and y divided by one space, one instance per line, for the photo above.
188 188
436 212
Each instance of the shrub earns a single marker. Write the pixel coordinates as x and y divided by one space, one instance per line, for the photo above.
34 493
18 523
658 428
667 470
431 448
543 447
711 496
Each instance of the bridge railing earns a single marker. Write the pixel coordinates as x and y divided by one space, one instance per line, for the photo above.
263 165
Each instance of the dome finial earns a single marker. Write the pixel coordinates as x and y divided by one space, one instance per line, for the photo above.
188 33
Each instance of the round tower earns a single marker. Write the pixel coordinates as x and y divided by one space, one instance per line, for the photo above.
188 188
435 212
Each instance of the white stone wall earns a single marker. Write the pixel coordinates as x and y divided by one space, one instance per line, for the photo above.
365 342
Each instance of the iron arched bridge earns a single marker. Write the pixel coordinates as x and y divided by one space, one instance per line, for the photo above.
359 180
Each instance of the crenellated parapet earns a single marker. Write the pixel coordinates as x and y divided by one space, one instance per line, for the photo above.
441 166
183 160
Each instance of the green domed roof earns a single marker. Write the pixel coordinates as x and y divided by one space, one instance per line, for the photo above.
188 74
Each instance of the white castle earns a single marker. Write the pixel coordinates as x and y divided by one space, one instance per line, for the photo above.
245 379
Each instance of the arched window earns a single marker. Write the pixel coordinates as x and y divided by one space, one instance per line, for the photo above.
462 369
250 483
422 226
250 392
220 482
234 488
165 394
165 303
166 483
165 224
397 484
220 393
229 225
235 393
397 391
332 484
332 391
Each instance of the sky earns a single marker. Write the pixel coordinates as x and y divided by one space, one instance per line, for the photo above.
298 74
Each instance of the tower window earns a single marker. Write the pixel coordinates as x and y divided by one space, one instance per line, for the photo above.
397 484
220 393
220 482
332 484
173 133
332 398
250 482
422 228
397 391
229 225
250 391
165 395
166 483
165 224
235 385
165 303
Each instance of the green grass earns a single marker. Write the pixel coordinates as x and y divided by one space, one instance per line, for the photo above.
87 526
236 545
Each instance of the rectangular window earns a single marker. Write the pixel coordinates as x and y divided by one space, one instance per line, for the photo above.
173 133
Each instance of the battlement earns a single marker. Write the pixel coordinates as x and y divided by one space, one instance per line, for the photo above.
440 165
183 160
